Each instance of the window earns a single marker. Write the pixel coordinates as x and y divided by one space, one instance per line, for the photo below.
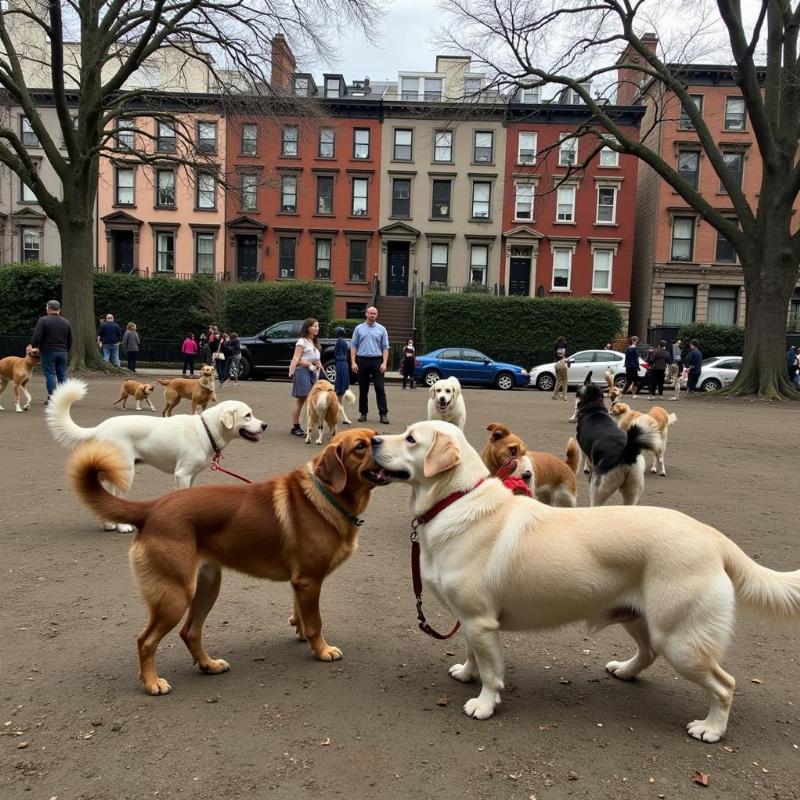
440 203
165 137
433 90
409 88
249 192
206 137
204 251
472 87
439 255
26 194
567 151
606 204
443 146
165 251
125 133
331 87
355 310
301 86
523 202
289 194
682 238
289 135
725 252
147 76
481 196
562 268
360 188
734 114
361 143
530 94
735 164
722 305
165 188
478 263
358 260
685 123
31 240
249 139
29 138
565 204
601 270
324 194
326 140
689 166
402 144
678 304
287 247
206 190
322 267
794 306
483 151
123 185
527 148
608 156
401 197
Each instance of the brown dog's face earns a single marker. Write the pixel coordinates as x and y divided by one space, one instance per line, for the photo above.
346 464
206 371
619 409
146 389
33 353
503 445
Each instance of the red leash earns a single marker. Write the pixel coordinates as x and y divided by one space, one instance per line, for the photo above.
216 467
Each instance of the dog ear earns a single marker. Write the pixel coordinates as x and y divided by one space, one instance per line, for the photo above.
431 393
588 380
442 455
227 418
499 431
330 468
28 348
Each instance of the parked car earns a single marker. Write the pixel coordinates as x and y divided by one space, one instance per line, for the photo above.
469 366
716 372
581 364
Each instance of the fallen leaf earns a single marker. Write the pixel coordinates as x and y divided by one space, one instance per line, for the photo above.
701 778
756 680
442 701
325 742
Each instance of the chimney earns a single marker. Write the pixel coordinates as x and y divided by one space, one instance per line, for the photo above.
629 80
283 63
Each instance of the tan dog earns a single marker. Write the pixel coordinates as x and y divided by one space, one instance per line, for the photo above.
501 562
661 420
17 371
297 527
553 479
323 406
139 391
200 391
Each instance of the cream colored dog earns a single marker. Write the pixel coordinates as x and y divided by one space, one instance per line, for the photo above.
661 420
503 562
446 403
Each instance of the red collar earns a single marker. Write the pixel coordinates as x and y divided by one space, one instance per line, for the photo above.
442 505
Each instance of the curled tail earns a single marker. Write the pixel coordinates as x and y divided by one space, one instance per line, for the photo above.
640 437
57 412
349 397
96 461
573 458
164 381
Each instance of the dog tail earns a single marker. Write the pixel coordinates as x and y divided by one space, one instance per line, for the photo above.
640 437
350 397
96 461
64 430
672 419
164 381
573 458
609 376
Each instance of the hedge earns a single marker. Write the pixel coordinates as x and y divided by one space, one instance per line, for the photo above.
24 292
714 340
348 324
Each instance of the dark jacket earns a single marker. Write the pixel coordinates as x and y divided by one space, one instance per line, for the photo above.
659 358
52 333
110 333
693 361
631 357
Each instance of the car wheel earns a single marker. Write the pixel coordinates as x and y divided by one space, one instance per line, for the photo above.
244 369
546 382
620 381
504 381
711 385
330 371
431 376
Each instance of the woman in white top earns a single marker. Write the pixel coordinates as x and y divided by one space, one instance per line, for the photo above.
304 370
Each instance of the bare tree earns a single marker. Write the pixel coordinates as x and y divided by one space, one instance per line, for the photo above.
578 43
89 56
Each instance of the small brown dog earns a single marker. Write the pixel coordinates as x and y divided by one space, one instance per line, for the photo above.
139 391
200 391
553 479
323 406
17 371
297 527
658 419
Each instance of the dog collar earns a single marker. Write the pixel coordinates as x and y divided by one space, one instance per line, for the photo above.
422 519
217 450
351 518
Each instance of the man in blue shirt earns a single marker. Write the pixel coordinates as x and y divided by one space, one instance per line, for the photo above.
108 337
369 354
693 362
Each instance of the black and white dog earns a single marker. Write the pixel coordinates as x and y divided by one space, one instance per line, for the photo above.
616 456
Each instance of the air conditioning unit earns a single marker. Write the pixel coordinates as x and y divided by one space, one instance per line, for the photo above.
285 273
289 208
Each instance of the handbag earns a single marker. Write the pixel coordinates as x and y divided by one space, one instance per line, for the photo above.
219 356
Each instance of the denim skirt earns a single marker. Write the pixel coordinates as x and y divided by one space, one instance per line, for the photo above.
302 382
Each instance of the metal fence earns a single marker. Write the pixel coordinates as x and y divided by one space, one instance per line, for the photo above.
163 352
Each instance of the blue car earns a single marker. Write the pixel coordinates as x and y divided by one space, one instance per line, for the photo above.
469 366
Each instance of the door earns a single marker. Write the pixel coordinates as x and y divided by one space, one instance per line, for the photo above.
579 367
397 266
519 279
247 258
123 251
476 367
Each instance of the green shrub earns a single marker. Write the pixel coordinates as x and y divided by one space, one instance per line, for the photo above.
714 340
24 292
348 325
476 288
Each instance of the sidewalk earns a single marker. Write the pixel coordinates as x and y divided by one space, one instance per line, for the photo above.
392 376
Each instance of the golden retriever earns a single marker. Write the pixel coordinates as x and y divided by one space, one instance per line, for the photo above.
445 401
661 420
17 371
201 391
553 479
323 406
139 391
297 527
503 562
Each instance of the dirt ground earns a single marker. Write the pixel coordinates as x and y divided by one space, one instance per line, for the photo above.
386 721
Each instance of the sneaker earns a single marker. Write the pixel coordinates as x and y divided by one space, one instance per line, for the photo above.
362 417
47 400
385 420
650 398
297 431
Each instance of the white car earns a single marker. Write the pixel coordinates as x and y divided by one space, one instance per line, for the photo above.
716 372
580 364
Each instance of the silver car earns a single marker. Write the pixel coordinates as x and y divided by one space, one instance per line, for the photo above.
717 372
581 364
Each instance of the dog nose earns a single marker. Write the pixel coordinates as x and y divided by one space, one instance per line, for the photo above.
263 426
527 475
376 441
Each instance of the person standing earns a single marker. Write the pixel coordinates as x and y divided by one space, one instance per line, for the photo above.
659 359
203 350
222 357
189 350
235 361
561 344
342 383
632 367
562 376
130 344
108 338
693 363
791 364
53 336
677 353
304 370
369 354
409 362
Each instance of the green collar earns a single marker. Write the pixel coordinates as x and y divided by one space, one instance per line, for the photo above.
351 518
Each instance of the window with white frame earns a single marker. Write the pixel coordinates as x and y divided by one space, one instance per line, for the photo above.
165 188
361 143
443 146
526 153
409 88
481 199
402 144
433 90
289 194
249 139
360 188
523 202
568 150
530 94
29 138
331 87
734 114
483 150
565 203
204 253
301 86
31 240
606 205
249 191
165 251
414 88
289 139
322 264
602 262
478 263
608 156
472 88
682 238
206 191
326 142
206 137
123 186
562 268
439 258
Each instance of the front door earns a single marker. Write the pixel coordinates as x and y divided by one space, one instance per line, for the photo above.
247 258
123 251
397 264
520 277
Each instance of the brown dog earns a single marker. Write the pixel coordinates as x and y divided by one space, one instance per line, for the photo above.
553 479
297 527
323 407
139 391
17 371
200 391
657 418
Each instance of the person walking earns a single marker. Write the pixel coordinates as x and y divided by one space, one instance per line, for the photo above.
189 349
659 359
304 370
341 360
632 367
369 354
693 363
791 364
222 358
409 361
235 361
53 336
203 350
130 344
562 376
109 337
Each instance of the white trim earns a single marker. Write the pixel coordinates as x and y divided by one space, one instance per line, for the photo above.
613 220
568 247
612 251
573 146
531 160
517 186
574 188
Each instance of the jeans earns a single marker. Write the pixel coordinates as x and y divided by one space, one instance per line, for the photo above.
222 369
369 369
111 353
131 355
54 366
691 381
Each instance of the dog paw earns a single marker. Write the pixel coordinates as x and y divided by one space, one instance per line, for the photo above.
159 687
619 669
704 731
481 707
461 672
123 527
18 409
109 526
215 666
329 653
